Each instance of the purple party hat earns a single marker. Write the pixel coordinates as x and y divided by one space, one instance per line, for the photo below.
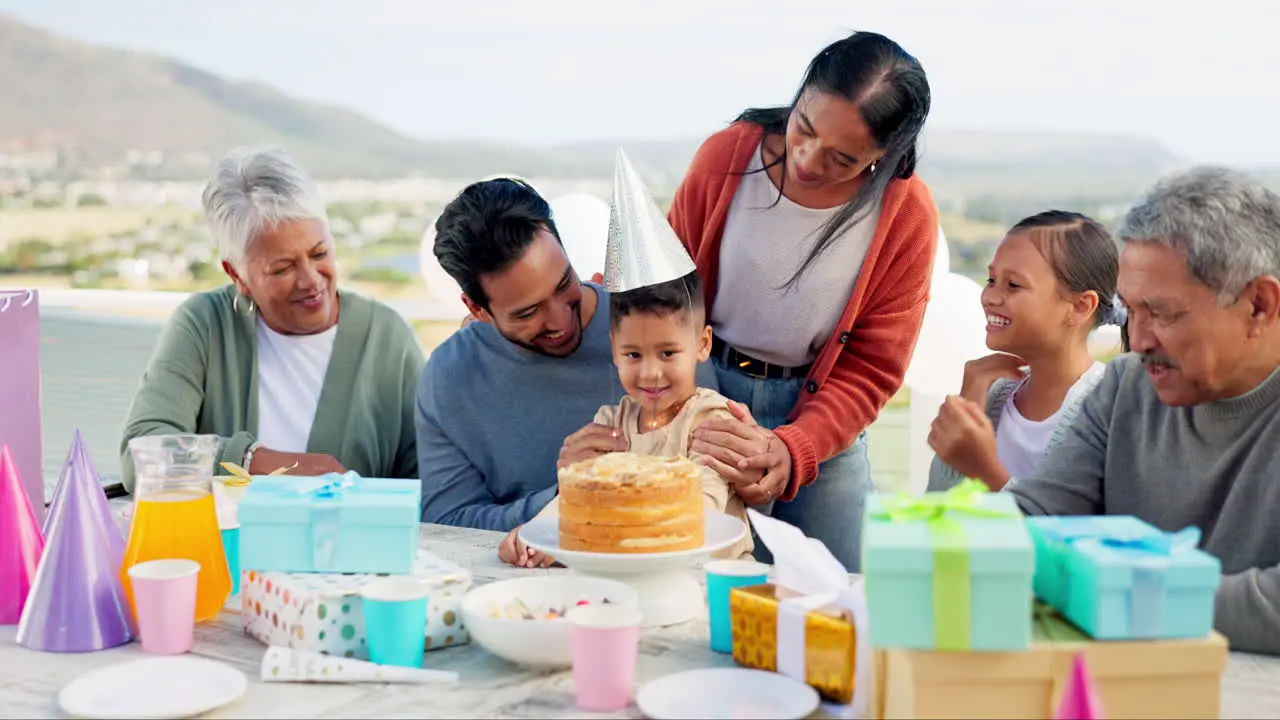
79 466
21 542
1080 699
77 602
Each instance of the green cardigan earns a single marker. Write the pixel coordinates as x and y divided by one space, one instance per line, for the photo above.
203 378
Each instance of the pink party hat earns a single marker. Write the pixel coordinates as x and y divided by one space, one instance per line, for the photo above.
77 602
1080 699
21 541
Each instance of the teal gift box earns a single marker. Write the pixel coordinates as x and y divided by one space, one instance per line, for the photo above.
1118 578
332 523
948 571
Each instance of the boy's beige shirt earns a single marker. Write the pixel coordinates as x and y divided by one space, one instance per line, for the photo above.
673 439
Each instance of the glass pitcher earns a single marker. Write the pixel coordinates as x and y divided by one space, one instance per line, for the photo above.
174 514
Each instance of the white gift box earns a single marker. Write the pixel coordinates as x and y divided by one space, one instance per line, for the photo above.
322 612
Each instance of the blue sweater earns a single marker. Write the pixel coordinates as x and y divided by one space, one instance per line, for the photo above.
491 417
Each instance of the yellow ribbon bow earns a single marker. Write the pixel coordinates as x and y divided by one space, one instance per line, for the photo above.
241 477
963 498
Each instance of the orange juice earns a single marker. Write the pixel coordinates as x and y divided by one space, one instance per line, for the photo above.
180 523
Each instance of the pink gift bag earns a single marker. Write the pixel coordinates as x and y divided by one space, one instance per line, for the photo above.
20 389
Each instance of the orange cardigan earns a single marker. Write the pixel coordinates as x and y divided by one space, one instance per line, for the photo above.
862 364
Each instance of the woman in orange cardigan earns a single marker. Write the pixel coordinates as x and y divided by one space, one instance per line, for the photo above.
815 242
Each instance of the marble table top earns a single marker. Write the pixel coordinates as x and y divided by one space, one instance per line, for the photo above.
489 686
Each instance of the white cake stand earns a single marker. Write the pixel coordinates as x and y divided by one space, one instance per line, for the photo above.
667 589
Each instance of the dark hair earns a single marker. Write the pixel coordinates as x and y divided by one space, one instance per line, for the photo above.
680 296
890 90
486 229
1083 256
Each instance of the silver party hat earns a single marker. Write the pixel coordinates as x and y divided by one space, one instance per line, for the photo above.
643 249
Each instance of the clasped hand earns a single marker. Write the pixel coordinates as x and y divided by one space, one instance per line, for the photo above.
747 455
266 461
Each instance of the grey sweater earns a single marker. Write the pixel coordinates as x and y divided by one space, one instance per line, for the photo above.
1214 466
943 477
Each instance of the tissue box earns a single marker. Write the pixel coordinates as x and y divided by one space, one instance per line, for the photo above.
830 639
948 571
1148 679
334 523
322 613
1117 577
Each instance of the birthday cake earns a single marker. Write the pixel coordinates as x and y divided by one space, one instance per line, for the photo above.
629 503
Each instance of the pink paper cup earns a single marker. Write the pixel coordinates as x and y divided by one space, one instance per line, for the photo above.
605 640
164 595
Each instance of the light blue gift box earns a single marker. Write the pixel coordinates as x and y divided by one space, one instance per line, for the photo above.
948 571
332 523
1118 578
1051 535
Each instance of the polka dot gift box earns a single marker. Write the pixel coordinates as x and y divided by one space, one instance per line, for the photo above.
322 612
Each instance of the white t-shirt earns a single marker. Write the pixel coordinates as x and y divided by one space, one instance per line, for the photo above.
766 239
291 370
1020 443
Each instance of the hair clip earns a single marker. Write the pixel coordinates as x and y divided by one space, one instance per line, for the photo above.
1117 313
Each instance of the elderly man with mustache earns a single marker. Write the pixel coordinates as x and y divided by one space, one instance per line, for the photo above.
1185 429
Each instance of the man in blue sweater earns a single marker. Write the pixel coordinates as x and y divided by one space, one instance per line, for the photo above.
500 398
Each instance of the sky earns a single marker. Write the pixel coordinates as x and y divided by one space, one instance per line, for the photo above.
1199 77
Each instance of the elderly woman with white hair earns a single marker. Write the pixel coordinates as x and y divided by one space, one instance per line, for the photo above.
287 369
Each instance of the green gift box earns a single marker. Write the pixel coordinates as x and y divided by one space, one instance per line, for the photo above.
948 571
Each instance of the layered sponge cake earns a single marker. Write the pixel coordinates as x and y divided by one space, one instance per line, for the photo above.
629 503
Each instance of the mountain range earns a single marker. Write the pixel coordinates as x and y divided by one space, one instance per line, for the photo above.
96 103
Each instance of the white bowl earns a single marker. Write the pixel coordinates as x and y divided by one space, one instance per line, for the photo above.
535 643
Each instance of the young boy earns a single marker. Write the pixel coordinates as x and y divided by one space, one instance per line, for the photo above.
659 335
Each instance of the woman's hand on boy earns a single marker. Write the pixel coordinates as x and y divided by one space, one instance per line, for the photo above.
750 457
963 437
981 373
513 551
591 441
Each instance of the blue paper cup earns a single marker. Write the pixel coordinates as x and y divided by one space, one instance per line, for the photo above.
231 544
395 620
723 576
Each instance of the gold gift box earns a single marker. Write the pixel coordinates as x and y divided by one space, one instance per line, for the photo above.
830 640
1134 679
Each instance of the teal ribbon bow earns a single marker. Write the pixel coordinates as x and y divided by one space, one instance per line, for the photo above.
1147 596
326 516
1156 544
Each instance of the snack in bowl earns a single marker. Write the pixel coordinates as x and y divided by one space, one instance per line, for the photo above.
516 609
624 502
522 620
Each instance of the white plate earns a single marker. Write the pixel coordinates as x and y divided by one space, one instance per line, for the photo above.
543 534
729 693
158 687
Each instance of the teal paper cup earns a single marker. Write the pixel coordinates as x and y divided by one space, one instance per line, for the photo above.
395 620
231 544
723 576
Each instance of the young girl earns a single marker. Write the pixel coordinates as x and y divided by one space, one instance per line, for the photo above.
659 335
1051 282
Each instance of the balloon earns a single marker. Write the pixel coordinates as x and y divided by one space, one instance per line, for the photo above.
583 222
953 332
